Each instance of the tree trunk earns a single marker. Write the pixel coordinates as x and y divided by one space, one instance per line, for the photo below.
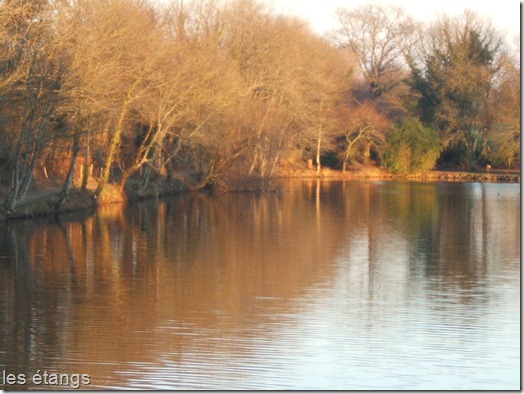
253 164
319 140
319 144
23 173
115 140
87 163
69 178
113 147
367 152
170 172
144 180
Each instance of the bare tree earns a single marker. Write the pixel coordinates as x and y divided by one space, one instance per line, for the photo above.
112 61
381 37
35 93
291 77
363 126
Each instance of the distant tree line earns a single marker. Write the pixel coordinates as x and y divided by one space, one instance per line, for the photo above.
216 93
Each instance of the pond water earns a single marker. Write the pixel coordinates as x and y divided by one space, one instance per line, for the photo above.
324 285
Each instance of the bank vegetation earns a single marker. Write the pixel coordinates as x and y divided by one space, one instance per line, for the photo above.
130 98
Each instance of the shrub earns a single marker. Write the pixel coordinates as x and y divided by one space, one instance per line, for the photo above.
411 147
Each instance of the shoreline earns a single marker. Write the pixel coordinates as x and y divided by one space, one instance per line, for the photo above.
500 176
42 201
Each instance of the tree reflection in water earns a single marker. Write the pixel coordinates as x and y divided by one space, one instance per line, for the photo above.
203 284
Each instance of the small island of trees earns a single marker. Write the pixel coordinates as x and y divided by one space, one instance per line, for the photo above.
128 94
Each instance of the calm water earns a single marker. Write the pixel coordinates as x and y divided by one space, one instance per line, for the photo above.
325 285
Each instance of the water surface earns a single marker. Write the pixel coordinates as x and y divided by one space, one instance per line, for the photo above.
324 285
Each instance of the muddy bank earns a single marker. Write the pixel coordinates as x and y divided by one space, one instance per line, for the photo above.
46 201
457 176
380 174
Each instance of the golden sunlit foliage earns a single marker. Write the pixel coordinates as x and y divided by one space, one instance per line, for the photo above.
208 93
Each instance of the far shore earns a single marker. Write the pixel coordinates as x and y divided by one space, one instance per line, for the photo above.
375 173
41 200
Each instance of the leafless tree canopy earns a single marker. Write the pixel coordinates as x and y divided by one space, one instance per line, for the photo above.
211 92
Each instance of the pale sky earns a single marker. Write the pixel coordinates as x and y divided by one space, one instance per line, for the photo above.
504 14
